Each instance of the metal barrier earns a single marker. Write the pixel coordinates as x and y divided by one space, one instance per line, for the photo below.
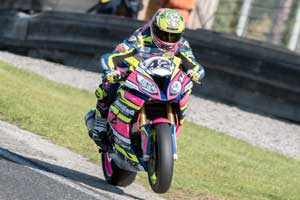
249 74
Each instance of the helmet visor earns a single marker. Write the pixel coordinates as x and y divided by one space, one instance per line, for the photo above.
166 36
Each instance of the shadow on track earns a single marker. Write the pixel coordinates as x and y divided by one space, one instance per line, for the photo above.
74 175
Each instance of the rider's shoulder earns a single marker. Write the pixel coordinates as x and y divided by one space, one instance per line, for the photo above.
129 43
135 38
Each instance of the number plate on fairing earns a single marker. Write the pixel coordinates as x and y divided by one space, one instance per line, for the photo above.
158 66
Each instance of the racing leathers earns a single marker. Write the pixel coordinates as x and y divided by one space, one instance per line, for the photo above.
142 44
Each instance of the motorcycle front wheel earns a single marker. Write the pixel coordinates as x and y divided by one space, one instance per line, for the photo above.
115 175
160 167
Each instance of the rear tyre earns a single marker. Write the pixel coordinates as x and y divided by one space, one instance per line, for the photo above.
113 174
160 172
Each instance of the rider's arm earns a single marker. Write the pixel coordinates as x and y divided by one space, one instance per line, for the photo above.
189 63
111 60
123 50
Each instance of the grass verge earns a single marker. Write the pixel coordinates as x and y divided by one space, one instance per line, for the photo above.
210 165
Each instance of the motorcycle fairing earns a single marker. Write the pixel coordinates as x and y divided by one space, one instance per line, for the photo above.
181 81
183 103
133 82
131 98
119 157
145 132
178 84
120 115
120 130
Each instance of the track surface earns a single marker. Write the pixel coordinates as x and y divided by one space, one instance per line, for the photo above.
20 181
31 168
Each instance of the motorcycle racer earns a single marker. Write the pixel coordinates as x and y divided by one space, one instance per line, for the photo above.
162 35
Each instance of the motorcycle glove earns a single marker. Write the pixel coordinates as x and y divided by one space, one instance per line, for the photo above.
194 75
100 93
112 76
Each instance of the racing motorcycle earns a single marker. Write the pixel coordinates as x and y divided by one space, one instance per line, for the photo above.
145 120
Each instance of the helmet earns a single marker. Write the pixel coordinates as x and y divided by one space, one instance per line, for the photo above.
167 27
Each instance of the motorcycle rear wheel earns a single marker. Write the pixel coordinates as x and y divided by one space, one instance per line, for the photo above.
115 175
160 172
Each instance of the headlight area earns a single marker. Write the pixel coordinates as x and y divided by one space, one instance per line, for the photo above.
146 85
175 88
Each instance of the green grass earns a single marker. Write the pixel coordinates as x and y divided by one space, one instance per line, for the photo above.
47 108
210 164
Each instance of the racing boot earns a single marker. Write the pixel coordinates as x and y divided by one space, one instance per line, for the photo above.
97 129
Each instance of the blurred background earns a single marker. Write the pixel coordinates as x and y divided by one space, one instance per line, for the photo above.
272 21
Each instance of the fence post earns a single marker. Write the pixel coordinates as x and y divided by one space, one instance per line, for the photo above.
142 13
203 14
280 21
296 31
246 8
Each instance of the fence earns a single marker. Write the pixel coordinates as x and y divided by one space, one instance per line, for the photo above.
273 21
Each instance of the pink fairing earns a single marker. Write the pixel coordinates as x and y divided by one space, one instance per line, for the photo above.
176 78
121 127
184 100
134 99
161 120
132 78
111 116
185 81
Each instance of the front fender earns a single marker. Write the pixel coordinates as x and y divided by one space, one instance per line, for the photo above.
161 120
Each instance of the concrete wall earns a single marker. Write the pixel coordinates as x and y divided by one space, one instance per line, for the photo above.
245 73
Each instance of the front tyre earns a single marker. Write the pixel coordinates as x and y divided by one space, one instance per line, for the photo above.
160 172
113 174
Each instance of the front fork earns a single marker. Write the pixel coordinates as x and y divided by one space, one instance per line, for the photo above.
147 132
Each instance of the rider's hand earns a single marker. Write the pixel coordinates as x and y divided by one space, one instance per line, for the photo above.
113 76
194 75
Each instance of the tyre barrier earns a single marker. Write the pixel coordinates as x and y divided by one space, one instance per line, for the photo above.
249 74
23 5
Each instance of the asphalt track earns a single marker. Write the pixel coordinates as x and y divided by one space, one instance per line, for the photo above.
21 180
34 168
